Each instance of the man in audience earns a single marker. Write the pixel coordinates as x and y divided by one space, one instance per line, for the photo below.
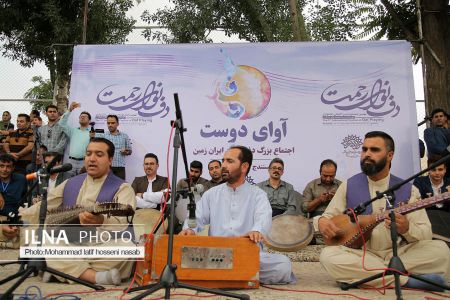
215 171
320 191
13 186
52 134
280 193
37 121
437 137
236 208
121 142
20 143
79 137
149 188
195 173
433 184
5 128
55 179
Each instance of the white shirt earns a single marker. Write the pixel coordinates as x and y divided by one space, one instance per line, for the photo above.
150 199
232 212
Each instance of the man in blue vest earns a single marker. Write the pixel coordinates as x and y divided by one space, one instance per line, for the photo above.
418 252
97 185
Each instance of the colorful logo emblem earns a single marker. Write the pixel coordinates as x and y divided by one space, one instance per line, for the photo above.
243 92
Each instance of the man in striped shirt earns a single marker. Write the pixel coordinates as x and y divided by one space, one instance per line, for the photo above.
20 143
122 143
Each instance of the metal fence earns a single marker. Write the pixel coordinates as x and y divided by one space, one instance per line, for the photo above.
18 106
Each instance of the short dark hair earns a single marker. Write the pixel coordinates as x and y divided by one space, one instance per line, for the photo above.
152 155
7 158
196 165
111 147
43 147
51 106
438 110
38 117
327 162
56 155
276 160
246 155
432 158
35 112
27 117
213 161
86 113
388 140
113 116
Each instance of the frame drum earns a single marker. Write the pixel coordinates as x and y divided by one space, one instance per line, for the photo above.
143 221
289 233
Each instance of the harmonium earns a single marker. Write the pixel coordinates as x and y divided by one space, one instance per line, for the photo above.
213 262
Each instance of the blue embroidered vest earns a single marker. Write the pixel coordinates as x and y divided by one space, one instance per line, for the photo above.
358 191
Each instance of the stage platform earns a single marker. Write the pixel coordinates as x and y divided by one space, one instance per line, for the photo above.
313 283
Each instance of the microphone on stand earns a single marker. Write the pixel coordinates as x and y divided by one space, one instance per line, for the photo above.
61 168
199 188
192 219
57 169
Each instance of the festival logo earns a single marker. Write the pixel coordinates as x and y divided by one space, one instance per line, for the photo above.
352 145
243 92
376 99
147 101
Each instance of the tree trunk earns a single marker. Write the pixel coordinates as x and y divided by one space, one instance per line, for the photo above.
294 20
435 21
61 96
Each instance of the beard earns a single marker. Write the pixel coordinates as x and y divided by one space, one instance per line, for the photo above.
374 167
230 176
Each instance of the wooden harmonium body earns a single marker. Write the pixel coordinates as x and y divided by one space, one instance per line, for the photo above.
213 262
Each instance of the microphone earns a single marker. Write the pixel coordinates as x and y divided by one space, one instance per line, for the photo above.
192 220
199 188
58 169
61 168
92 124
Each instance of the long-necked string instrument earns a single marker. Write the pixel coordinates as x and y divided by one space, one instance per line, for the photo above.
350 233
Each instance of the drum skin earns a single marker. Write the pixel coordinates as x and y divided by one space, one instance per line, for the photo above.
289 233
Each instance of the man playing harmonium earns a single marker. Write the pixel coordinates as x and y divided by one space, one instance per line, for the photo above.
240 209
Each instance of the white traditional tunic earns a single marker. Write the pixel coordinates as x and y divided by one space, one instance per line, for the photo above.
419 254
236 212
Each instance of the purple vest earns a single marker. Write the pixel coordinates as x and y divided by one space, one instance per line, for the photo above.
358 191
108 190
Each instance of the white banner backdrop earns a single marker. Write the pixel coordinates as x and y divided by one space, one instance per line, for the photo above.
301 102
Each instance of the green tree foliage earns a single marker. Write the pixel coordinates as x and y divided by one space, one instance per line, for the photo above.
191 21
394 20
43 89
45 30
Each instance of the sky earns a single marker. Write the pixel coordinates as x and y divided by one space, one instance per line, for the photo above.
15 80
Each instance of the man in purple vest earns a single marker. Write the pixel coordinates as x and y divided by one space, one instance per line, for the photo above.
97 185
418 252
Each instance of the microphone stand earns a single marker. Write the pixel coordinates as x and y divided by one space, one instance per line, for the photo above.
35 265
395 265
168 278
